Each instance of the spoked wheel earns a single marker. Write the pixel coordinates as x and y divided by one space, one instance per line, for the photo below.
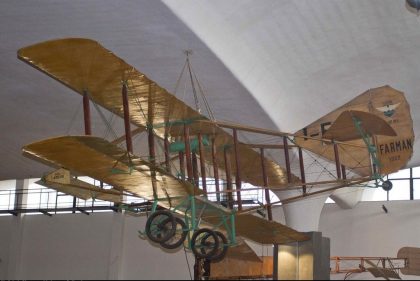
160 226
179 236
204 243
221 250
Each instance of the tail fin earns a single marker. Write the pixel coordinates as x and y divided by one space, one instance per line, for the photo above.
383 114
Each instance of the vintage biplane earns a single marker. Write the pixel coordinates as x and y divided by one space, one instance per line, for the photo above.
366 138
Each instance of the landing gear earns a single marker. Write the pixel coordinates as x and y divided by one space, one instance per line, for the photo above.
179 236
387 185
222 248
160 226
204 243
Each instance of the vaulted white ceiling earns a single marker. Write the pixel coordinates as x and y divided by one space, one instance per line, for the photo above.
276 63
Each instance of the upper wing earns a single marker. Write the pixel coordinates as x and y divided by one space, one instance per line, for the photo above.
85 66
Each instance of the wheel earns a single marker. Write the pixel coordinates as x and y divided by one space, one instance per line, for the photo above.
221 250
179 236
387 185
204 248
160 226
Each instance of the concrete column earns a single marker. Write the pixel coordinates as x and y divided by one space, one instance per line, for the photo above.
304 214
21 198
347 197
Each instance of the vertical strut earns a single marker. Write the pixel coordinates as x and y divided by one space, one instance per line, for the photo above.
215 168
86 114
195 168
343 172
267 192
337 161
151 141
286 157
238 169
302 171
167 155
188 152
228 178
126 109
182 165
202 163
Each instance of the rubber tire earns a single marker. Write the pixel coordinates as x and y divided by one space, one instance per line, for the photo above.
169 234
221 252
207 233
184 234
387 185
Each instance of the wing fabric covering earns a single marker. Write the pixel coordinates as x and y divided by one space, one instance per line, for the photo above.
85 66
382 103
104 161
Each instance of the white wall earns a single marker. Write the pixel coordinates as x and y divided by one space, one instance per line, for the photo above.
367 230
98 246
77 246
5 234
106 245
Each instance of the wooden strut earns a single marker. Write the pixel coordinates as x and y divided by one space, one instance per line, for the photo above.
337 161
302 171
126 109
266 190
151 141
299 184
215 168
182 165
86 114
188 153
287 159
167 154
272 132
228 178
238 169
343 172
195 168
202 163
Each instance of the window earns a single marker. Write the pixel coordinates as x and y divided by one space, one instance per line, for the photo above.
400 190
402 174
416 187
7 194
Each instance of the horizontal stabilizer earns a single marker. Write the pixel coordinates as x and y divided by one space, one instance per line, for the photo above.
344 128
61 181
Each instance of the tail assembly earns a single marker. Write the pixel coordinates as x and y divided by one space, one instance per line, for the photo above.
373 133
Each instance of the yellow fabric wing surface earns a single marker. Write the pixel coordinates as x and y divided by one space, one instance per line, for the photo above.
99 159
85 66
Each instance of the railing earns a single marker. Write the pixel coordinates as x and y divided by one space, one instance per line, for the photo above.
47 201
359 264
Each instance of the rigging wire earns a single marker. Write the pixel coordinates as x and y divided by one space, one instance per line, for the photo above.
104 119
188 263
74 117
